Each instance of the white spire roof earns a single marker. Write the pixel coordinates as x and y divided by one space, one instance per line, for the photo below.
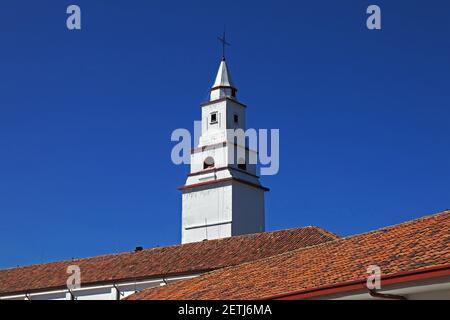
223 78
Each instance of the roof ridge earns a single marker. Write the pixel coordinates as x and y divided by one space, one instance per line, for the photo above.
64 261
326 232
428 216
321 230
342 239
163 248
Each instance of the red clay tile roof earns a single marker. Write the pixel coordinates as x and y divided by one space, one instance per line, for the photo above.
165 261
410 246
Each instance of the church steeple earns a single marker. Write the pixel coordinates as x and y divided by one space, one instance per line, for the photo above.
223 85
222 196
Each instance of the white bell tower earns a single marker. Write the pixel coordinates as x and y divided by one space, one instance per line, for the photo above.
222 196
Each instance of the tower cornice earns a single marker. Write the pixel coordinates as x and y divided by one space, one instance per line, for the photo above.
223 87
207 183
220 169
220 145
207 103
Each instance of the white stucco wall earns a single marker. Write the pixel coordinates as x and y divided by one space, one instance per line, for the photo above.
222 210
248 209
207 212
109 291
430 289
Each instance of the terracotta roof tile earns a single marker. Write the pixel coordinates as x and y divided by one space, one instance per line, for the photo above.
165 261
407 247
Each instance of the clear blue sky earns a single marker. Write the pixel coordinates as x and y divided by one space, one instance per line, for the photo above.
86 117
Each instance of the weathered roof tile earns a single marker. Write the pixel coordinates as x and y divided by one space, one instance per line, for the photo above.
165 261
408 247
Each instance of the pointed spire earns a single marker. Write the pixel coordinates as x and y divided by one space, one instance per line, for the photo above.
223 78
223 85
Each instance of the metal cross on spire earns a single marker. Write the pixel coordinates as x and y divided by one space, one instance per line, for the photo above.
224 43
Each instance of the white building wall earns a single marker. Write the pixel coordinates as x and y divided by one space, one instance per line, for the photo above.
222 210
216 133
430 289
207 212
248 209
213 133
224 156
110 291
219 154
431 295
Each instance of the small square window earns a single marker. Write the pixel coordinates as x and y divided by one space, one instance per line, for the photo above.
236 118
213 118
